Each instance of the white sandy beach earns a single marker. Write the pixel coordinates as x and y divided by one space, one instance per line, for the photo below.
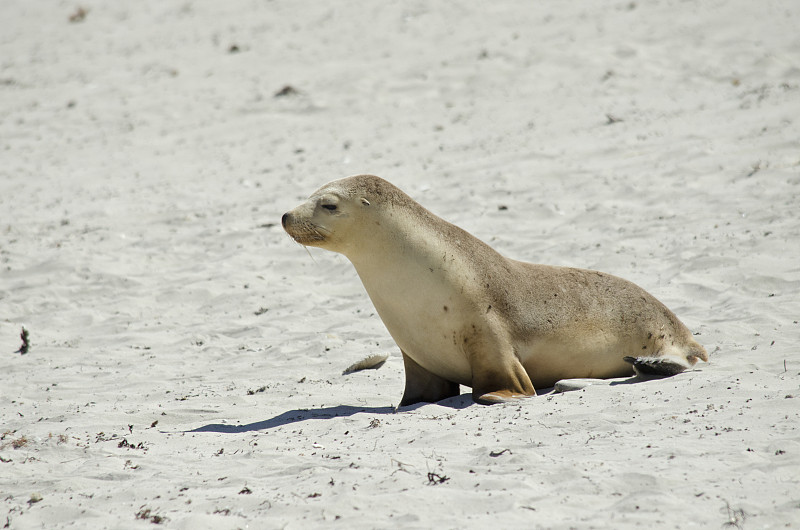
185 361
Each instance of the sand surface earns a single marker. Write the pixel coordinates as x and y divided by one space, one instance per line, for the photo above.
185 355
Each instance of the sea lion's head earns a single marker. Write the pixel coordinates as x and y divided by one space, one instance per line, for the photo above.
337 215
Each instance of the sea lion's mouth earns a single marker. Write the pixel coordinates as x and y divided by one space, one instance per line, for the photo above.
305 239
303 231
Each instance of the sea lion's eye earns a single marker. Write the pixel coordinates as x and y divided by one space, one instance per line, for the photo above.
331 207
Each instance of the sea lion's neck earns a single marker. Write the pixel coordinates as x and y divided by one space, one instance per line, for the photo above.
391 240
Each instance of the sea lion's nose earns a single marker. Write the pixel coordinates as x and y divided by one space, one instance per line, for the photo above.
283 219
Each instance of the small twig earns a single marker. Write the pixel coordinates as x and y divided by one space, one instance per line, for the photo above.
436 478
25 342
401 466
736 517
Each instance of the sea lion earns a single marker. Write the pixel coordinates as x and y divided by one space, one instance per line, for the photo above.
462 314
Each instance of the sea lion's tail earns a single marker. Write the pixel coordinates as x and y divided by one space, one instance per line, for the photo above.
669 364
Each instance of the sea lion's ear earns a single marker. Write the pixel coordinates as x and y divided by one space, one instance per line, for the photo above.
364 201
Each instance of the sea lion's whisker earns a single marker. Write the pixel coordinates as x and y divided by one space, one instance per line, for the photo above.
310 255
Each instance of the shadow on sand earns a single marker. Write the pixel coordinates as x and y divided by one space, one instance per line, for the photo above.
459 402
324 413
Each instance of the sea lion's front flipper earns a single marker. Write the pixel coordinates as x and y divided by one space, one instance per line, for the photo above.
499 378
422 385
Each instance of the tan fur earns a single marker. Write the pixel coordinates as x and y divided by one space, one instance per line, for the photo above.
463 314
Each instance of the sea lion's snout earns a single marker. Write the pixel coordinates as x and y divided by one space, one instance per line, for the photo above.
288 222
301 228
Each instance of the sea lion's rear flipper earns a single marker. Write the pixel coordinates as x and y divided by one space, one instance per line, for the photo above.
657 366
